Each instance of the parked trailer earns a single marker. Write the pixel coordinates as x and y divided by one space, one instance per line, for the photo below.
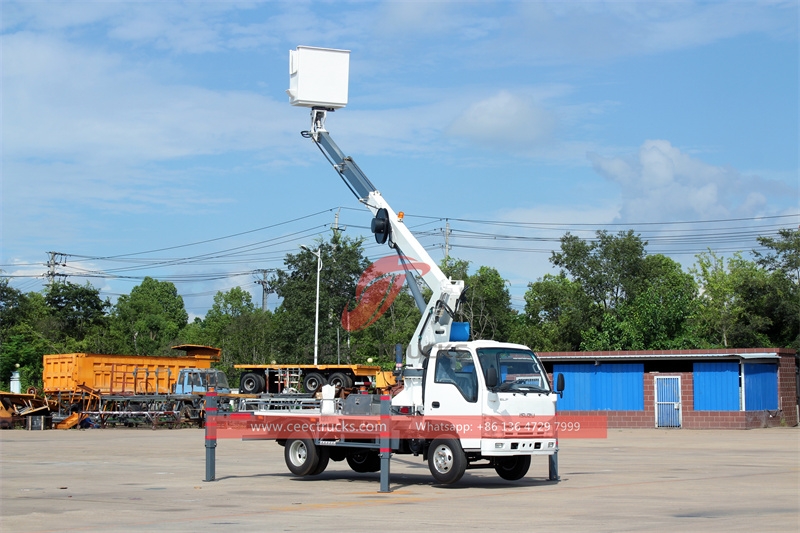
275 379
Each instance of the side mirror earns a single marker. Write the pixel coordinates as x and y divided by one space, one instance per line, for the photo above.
491 378
560 385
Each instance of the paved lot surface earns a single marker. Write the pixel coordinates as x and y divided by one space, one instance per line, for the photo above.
635 480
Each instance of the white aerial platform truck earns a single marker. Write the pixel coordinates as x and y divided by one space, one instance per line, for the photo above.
480 403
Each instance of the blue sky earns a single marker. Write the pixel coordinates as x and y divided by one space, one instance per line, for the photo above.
156 138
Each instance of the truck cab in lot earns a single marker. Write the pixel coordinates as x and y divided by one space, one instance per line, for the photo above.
201 380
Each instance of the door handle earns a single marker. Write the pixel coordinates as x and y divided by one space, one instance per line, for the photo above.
435 404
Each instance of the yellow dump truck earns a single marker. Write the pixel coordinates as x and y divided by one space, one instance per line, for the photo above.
122 374
132 389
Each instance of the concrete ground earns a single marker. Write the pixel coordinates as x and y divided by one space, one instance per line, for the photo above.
635 480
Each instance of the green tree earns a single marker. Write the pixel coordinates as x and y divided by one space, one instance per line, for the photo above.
75 310
455 268
782 261
487 302
378 340
557 311
22 343
488 305
609 268
148 321
783 254
227 307
12 310
342 265
658 317
249 339
233 324
732 301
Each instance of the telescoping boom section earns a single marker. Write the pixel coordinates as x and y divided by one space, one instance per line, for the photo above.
388 228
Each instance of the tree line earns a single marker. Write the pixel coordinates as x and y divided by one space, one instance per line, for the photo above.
608 294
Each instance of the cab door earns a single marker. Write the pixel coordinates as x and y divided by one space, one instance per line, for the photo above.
451 384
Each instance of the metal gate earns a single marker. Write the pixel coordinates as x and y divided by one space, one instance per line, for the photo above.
668 401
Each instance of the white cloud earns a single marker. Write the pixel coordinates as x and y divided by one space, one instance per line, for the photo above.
504 120
87 131
577 32
62 100
663 183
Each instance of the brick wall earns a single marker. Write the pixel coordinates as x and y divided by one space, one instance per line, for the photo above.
787 390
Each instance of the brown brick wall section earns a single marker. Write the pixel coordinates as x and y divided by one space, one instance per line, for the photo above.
787 390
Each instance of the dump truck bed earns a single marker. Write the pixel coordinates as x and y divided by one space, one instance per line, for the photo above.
116 374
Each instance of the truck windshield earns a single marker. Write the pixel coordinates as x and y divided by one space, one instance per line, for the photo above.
204 380
517 370
218 380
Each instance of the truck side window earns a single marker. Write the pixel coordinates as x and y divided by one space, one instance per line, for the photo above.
458 369
445 373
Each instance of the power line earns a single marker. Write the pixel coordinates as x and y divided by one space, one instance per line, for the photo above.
677 238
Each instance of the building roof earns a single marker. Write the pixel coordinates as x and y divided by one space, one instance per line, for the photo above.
644 355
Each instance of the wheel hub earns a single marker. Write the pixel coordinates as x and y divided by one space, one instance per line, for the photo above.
443 459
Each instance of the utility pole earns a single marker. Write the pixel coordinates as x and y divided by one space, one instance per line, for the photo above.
266 285
336 227
56 259
447 240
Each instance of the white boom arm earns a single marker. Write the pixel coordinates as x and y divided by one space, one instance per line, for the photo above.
437 316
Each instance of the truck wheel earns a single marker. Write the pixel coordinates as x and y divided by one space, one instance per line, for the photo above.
446 460
302 456
366 461
324 457
313 382
512 468
340 380
252 383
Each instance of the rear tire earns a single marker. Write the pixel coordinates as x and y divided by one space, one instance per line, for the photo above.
340 380
512 468
313 382
301 456
364 461
252 383
446 460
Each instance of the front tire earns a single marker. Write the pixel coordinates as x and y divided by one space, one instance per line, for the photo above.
512 468
301 456
446 460
324 457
